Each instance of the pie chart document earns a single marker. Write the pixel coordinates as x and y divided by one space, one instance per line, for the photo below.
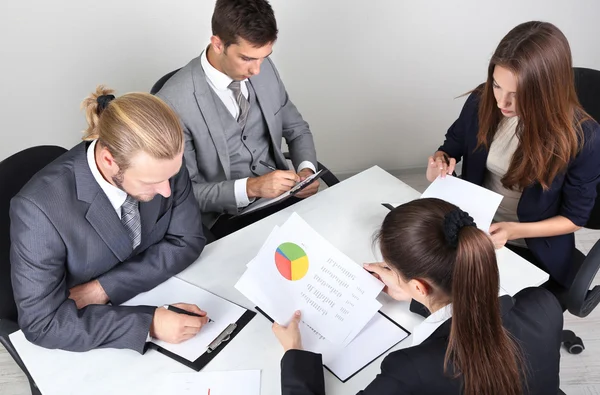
297 269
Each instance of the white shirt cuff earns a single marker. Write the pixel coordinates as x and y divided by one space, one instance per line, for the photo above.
306 165
148 338
241 196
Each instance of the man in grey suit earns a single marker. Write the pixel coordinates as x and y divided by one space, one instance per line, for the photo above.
235 111
113 217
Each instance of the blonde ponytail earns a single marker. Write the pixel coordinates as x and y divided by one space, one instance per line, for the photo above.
90 106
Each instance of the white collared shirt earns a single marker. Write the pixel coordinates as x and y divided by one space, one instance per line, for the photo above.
219 83
431 323
115 195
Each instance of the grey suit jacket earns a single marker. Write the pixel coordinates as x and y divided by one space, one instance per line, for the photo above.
206 151
65 232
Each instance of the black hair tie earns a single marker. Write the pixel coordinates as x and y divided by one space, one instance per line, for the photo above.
453 223
103 101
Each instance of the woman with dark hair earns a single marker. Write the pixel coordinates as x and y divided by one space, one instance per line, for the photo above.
524 135
473 343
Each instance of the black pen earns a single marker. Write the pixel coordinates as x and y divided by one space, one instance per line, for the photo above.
182 311
262 162
388 206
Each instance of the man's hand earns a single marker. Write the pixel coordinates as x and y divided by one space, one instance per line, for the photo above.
175 328
272 184
309 190
88 293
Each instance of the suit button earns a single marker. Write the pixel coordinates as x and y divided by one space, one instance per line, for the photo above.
253 167
245 137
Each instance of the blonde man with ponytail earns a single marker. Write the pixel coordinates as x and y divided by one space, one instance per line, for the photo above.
113 217
474 342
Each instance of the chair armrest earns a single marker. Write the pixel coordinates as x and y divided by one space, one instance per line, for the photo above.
7 327
580 299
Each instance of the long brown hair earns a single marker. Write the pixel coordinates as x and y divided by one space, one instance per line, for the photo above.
480 351
550 116
133 122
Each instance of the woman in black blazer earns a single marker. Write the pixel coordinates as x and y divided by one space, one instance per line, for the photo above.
474 342
524 135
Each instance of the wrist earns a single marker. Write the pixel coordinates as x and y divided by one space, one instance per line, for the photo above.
102 296
306 170
251 188
295 346
514 231
153 323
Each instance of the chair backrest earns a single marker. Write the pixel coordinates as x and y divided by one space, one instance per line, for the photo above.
15 172
159 84
587 85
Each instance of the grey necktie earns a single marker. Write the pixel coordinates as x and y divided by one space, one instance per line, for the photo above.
130 218
241 101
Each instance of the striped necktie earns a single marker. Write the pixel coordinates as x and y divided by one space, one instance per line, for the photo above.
241 101
130 218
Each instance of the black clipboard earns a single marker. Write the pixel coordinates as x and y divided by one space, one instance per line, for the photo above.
293 192
368 363
303 184
205 358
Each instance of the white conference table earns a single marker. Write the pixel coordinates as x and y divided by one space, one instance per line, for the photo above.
347 215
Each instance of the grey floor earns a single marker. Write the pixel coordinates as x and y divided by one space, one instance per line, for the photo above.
580 374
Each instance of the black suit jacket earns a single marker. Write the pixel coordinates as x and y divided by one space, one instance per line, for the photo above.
533 316
572 194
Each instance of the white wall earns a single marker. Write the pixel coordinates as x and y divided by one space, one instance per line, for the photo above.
375 79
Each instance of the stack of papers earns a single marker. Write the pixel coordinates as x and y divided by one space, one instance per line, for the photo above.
297 269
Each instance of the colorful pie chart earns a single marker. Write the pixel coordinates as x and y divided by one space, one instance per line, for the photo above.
291 261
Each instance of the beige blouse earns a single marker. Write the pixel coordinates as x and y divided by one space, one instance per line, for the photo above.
501 152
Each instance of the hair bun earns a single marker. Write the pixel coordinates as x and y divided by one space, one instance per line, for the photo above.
103 101
454 221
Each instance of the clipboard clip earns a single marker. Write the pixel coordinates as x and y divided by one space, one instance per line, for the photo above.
223 337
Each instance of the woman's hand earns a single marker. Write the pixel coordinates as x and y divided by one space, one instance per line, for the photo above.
390 278
289 336
439 165
501 232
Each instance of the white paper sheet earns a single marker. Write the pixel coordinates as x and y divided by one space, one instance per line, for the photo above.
244 382
479 202
378 336
261 203
337 296
220 311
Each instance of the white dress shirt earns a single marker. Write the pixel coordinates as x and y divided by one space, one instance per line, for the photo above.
115 195
219 82
431 323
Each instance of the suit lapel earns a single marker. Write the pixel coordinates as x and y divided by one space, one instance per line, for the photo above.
149 214
103 218
263 99
101 215
207 106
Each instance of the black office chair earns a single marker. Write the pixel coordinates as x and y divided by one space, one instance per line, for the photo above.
329 178
579 299
15 172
